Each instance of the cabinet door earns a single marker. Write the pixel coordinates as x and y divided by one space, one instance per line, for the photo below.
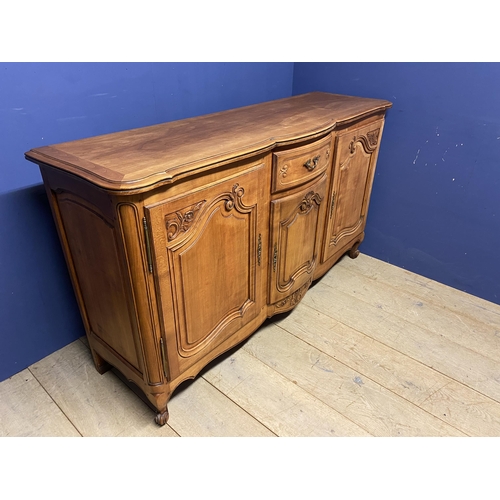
296 234
353 171
208 260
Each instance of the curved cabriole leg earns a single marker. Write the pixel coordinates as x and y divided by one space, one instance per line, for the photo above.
162 417
354 252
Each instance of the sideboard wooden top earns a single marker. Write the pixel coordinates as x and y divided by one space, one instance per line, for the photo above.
138 158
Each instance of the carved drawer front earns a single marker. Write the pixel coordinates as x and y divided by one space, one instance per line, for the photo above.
296 166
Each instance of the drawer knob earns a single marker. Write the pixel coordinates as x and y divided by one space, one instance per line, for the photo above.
312 164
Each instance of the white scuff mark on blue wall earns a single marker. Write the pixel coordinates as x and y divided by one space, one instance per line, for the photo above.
415 160
71 118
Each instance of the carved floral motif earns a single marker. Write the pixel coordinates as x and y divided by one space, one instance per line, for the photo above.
306 204
181 221
235 196
293 299
369 141
352 145
373 137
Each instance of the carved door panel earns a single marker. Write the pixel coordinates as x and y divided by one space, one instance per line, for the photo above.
353 171
207 249
296 222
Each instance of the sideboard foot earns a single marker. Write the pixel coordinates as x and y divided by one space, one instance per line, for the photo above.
162 417
101 365
354 252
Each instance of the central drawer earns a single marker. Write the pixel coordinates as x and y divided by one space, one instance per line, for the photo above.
296 166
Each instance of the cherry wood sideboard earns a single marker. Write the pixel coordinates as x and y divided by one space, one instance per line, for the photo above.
182 238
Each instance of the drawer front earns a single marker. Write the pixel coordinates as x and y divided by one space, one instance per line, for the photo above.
293 167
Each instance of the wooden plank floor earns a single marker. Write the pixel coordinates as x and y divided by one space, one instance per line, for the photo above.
372 350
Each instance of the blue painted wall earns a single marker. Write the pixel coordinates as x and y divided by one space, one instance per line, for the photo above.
44 104
435 206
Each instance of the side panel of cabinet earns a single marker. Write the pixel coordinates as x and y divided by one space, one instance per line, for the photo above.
296 234
92 248
353 171
108 277
208 259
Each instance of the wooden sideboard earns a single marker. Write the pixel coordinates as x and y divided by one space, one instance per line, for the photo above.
182 238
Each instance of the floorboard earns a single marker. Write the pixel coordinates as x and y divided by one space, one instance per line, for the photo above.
463 408
376 409
471 332
28 411
200 410
432 349
276 401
